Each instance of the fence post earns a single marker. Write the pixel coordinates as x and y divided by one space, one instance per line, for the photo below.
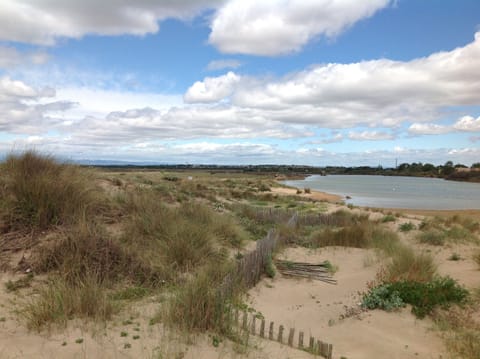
253 327
300 340
270 331
280 334
290 336
262 328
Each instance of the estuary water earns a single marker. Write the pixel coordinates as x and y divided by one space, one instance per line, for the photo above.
396 192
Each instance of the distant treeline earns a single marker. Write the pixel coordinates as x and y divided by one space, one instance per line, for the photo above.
449 171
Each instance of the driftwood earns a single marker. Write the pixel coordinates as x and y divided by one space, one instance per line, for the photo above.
319 271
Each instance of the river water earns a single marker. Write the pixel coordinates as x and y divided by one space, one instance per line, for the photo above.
396 192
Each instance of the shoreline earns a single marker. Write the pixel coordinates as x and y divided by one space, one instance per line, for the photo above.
337 199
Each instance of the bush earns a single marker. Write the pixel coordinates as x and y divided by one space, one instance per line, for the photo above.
406 227
424 297
382 297
432 237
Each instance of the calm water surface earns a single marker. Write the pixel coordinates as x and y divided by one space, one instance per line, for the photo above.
397 192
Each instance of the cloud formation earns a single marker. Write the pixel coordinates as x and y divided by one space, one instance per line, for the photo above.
26 110
212 89
42 22
272 27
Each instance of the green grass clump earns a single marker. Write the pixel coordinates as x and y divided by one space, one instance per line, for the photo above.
60 301
12 286
38 192
389 218
406 227
199 306
269 267
432 237
407 265
454 257
86 249
423 296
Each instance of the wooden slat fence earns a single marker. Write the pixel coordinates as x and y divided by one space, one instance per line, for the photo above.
249 270
296 339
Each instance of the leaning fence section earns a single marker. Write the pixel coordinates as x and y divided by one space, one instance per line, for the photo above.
259 326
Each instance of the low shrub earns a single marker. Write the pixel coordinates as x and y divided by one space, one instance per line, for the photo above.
433 237
382 297
389 218
406 227
423 296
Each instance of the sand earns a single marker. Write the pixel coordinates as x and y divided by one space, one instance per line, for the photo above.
316 195
317 308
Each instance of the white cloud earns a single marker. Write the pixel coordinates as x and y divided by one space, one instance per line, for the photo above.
44 21
273 27
468 124
212 89
428 129
222 64
369 136
369 93
24 109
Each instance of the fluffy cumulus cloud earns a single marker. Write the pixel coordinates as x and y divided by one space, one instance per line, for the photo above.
27 110
468 124
369 93
273 27
44 21
212 89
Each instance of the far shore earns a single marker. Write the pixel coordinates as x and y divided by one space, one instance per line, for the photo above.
333 198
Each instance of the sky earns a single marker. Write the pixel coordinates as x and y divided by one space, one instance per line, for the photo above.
306 82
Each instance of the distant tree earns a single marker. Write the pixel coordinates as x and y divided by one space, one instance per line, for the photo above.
428 167
448 168
459 165
476 165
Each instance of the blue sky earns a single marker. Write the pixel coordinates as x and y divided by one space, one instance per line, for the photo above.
317 82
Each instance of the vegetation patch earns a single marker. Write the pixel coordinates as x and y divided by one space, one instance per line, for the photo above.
406 227
38 192
423 296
